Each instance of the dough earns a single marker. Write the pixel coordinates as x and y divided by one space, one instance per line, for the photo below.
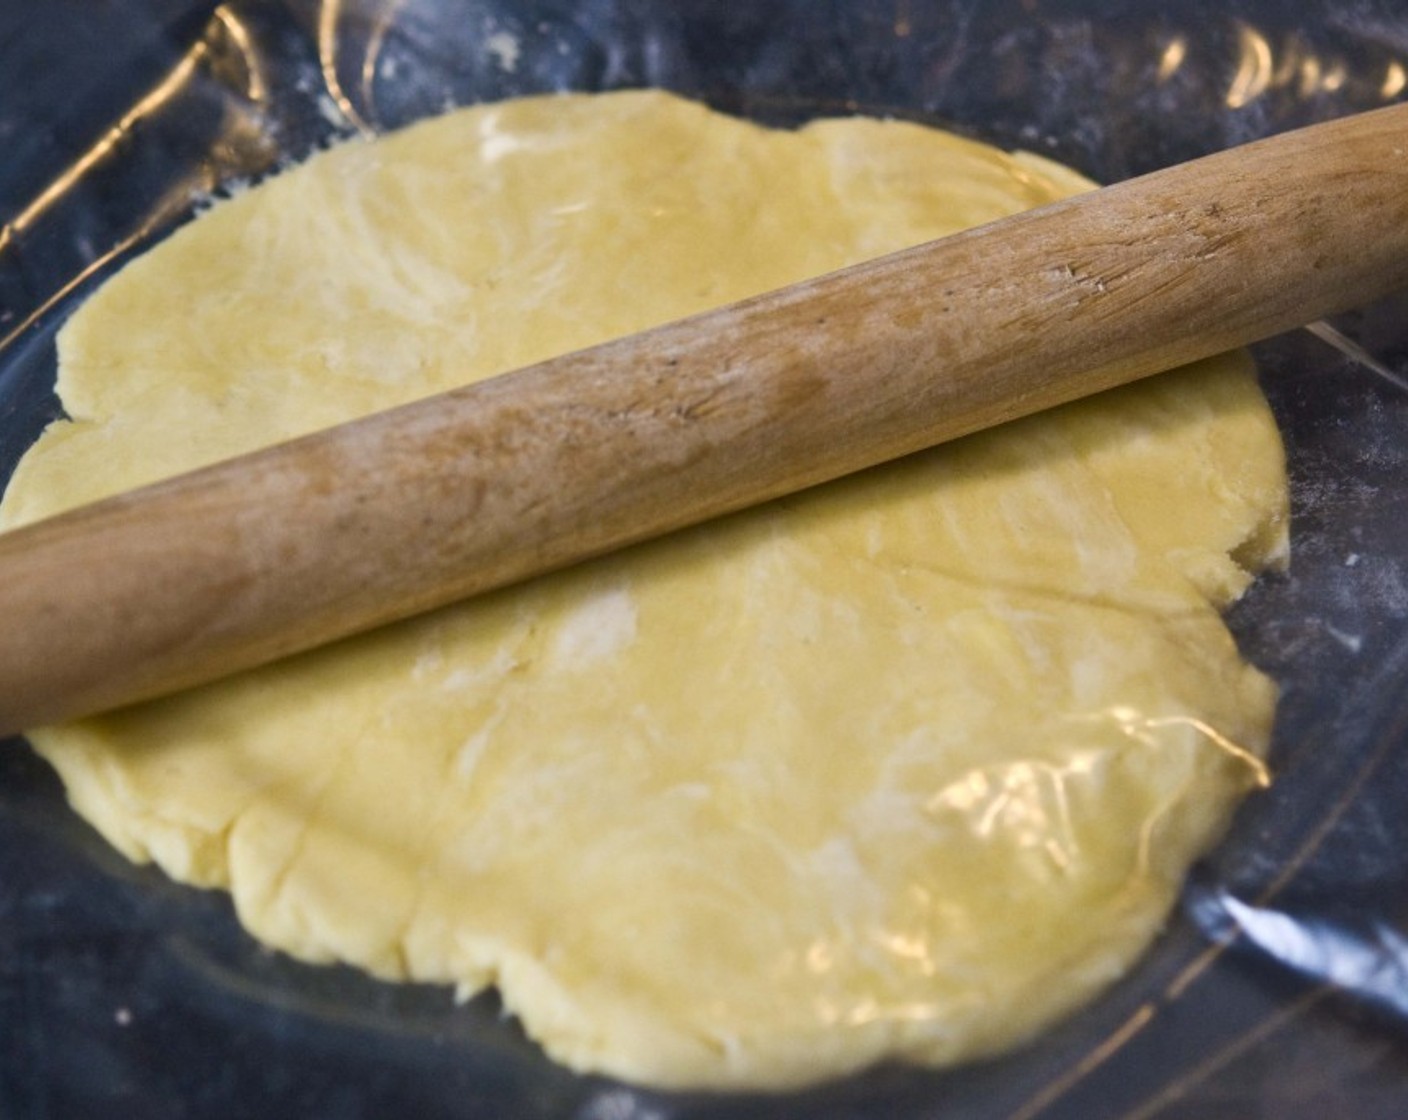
906 766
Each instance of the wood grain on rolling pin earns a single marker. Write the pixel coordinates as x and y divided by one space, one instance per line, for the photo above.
316 539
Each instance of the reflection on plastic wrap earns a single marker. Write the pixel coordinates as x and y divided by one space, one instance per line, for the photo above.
221 129
1338 943
1278 991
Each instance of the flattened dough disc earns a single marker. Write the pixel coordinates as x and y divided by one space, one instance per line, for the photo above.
904 766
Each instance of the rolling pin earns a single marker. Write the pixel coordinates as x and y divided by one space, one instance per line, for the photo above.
309 541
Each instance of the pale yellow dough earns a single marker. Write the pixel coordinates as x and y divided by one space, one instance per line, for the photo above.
903 767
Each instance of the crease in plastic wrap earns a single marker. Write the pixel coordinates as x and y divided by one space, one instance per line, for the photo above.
1278 987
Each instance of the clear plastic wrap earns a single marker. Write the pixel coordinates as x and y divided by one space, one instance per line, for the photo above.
1278 988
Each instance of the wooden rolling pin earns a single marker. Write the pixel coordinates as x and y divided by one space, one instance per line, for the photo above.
272 553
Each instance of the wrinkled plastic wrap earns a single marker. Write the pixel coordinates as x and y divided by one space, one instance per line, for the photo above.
1281 985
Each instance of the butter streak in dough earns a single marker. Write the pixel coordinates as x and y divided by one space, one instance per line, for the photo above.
905 766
